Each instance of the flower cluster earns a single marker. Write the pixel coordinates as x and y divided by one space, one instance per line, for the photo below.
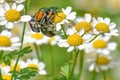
30 63
78 34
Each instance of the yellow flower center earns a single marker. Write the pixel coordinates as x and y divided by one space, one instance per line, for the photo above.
37 36
32 65
17 68
74 40
6 77
51 39
102 60
83 25
99 44
59 17
12 15
102 27
5 41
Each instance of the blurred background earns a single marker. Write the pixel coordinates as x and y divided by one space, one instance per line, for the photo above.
102 8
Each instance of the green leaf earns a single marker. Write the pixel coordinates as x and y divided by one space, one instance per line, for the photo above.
25 50
65 70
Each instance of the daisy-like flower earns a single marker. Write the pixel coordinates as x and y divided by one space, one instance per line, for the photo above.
33 37
7 42
104 26
53 40
4 68
1 1
11 14
101 45
7 76
21 64
74 40
84 23
64 16
102 63
34 63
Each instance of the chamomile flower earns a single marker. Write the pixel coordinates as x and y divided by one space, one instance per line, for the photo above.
4 68
7 76
84 23
1 1
53 40
33 37
104 26
73 41
11 14
7 42
64 16
101 45
34 63
102 63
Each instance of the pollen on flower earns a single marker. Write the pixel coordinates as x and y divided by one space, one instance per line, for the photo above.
83 25
99 44
51 39
6 77
32 65
103 27
12 15
5 41
74 40
36 35
59 17
102 60
17 68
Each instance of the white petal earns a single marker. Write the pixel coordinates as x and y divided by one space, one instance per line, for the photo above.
87 17
14 6
100 19
112 25
15 39
3 22
20 7
92 66
9 25
107 20
42 72
25 18
7 6
1 9
58 27
16 45
67 11
106 51
19 1
6 33
112 46
70 49
71 16
1 1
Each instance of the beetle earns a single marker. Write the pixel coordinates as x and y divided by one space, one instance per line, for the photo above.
42 21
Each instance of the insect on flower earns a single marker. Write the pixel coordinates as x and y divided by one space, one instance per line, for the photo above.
43 21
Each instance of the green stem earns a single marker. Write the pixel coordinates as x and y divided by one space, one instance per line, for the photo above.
75 60
0 75
23 32
64 31
52 59
94 37
94 72
1 54
81 64
104 75
39 54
